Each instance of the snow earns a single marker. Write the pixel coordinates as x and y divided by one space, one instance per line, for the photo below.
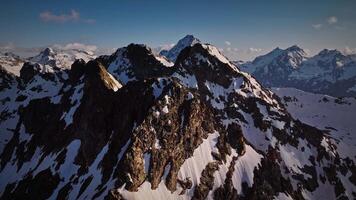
193 166
146 161
165 109
349 187
322 112
61 58
295 159
10 173
187 41
275 122
75 101
190 96
187 80
158 87
283 196
120 67
244 168
145 192
215 52
95 172
67 169
164 61
157 145
11 62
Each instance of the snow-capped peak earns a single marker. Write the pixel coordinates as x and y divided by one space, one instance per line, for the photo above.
295 48
215 52
204 57
172 54
291 57
47 52
61 58
327 53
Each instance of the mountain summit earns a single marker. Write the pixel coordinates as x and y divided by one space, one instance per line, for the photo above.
172 54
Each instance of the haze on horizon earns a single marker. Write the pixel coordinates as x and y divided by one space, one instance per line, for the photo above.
241 30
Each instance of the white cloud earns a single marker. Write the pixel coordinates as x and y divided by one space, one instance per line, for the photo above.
227 43
317 26
332 20
72 16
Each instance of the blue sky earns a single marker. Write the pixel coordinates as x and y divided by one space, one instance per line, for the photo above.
242 29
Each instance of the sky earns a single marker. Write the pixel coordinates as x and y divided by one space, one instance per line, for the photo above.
241 29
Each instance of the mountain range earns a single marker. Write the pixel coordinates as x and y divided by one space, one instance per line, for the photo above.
185 124
329 72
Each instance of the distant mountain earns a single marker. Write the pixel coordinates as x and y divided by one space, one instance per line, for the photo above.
47 59
11 62
329 72
132 126
172 54
61 58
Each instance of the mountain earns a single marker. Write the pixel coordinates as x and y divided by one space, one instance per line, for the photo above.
127 126
329 72
61 58
172 54
48 59
11 62
274 68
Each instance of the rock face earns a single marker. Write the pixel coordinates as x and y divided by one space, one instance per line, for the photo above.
329 72
127 126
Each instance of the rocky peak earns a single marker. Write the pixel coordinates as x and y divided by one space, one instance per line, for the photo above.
29 70
206 62
136 62
203 53
97 73
295 48
290 57
329 59
172 54
47 52
328 52
294 56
